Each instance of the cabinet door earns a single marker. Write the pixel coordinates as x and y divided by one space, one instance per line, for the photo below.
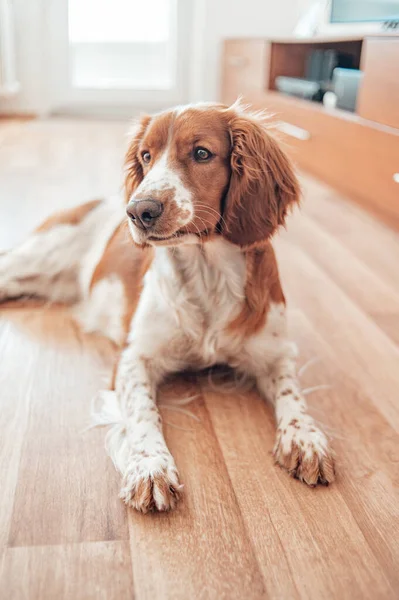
379 92
245 68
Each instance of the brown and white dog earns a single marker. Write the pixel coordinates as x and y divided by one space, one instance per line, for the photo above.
206 188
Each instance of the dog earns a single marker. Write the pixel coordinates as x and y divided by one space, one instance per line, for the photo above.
197 285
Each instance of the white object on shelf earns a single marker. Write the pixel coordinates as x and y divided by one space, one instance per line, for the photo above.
330 100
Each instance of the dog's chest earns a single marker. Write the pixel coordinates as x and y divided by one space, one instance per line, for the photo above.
204 287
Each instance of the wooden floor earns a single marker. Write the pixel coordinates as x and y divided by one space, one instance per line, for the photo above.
244 528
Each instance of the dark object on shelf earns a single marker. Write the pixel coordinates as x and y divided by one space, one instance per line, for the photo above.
301 88
314 65
346 86
321 64
319 70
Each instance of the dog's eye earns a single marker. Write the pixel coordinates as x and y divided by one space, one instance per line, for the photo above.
202 154
146 156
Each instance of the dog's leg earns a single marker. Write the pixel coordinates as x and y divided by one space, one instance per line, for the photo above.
301 446
49 263
137 446
45 265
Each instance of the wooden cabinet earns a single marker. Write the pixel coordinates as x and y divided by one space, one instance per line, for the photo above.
245 68
356 153
360 158
379 93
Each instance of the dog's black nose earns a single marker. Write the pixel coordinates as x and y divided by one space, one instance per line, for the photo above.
144 213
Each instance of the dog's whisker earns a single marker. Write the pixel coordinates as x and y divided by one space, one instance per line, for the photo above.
315 388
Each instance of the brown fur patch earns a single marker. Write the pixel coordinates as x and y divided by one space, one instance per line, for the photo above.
263 185
262 287
129 263
286 392
142 495
72 216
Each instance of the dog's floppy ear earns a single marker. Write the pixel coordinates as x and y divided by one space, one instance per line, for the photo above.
262 186
133 169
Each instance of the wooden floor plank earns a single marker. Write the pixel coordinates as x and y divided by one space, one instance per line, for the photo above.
358 342
91 571
368 472
379 300
54 164
370 240
15 400
296 529
202 550
67 488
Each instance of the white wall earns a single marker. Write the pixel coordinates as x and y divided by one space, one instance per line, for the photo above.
220 19
30 21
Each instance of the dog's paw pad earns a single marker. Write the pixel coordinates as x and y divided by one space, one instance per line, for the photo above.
152 491
302 450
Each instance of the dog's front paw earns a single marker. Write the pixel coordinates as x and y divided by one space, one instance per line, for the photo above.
151 483
303 450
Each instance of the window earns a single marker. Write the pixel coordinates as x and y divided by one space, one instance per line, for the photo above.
122 44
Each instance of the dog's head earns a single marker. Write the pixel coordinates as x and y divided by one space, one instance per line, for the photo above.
205 170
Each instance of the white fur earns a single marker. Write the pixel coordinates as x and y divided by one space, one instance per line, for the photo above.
191 293
103 220
104 309
162 177
45 265
58 263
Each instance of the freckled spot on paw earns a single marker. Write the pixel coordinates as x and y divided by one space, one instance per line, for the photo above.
297 398
293 422
285 431
312 430
286 392
275 334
